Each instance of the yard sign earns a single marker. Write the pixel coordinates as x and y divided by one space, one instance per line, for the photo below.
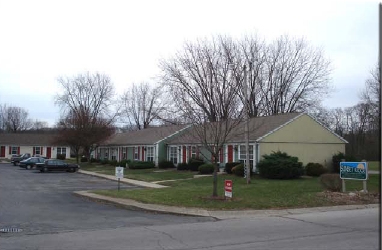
228 188
353 170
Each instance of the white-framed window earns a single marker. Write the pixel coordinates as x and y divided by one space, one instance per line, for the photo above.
136 154
193 152
150 153
61 151
14 150
124 153
173 154
37 150
242 154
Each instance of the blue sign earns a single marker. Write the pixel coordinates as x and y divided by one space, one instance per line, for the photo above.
353 170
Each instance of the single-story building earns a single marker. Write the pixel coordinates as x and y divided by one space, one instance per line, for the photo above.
297 134
34 144
140 145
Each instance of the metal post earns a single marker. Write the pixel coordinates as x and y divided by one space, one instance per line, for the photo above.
343 181
247 168
365 181
118 184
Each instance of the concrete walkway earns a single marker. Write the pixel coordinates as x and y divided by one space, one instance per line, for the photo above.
218 214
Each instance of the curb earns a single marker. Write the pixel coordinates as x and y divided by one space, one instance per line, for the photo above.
123 180
217 214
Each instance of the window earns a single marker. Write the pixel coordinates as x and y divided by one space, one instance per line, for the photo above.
61 151
124 153
242 154
136 154
37 150
150 153
174 155
193 152
14 150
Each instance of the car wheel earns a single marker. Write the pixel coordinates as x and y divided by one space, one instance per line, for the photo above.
29 167
72 170
45 169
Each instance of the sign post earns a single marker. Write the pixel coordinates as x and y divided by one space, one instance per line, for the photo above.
119 174
354 171
228 188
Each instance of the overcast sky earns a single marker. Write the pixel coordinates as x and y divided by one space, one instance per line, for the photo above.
42 40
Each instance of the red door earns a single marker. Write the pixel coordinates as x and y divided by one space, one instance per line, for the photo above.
48 152
2 151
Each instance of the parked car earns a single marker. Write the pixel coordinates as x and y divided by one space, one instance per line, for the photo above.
57 165
16 159
31 162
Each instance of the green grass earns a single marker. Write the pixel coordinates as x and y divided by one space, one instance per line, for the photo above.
374 165
260 194
149 175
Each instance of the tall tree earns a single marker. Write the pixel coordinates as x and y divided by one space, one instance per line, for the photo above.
15 119
86 105
142 104
202 81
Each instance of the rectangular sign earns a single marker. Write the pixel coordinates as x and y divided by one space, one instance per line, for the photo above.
228 188
353 170
119 172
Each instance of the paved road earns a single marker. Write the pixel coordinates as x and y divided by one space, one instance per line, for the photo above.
43 203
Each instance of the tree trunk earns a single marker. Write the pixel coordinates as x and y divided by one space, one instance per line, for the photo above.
215 181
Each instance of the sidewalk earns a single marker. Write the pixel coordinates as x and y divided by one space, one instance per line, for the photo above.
218 214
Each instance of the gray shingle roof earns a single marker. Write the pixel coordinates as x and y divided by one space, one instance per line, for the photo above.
146 136
258 127
25 139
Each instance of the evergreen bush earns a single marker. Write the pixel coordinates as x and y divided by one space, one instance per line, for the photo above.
315 169
206 168
229 165
280 165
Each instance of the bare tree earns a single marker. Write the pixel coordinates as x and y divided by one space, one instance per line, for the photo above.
86 105
15 119
142 105
371 96
204 85
39 125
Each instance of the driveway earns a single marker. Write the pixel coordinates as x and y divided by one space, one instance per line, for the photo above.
43 203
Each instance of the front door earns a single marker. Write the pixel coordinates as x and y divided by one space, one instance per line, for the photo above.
48 152
2 151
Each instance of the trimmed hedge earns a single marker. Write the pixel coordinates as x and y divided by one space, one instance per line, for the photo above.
104 161
315 169
280 165
141 164
238 169
61 156
182 166
229 165
206 168
194 164
166 164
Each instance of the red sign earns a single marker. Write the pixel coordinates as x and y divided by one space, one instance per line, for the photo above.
228 188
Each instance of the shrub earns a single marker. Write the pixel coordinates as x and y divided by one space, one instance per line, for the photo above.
206 168
166 164
331 182
280 165
122 163
92 160
84 159
61 156
336 159
113 162
229 165
238 169
104 161
141 164
183 166
315 169
194 164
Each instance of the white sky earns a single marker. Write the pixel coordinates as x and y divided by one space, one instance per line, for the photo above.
41 40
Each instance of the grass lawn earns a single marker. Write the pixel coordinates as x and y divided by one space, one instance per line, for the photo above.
374 165
149 175
260 194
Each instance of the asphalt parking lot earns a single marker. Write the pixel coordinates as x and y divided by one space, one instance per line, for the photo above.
43 203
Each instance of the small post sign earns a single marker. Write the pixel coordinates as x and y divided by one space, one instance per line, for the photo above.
119 174
353 170
228 188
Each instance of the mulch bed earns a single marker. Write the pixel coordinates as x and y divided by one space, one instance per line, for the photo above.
352 198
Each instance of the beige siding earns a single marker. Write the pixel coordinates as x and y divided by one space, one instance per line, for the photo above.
306 139
303 129
320 153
